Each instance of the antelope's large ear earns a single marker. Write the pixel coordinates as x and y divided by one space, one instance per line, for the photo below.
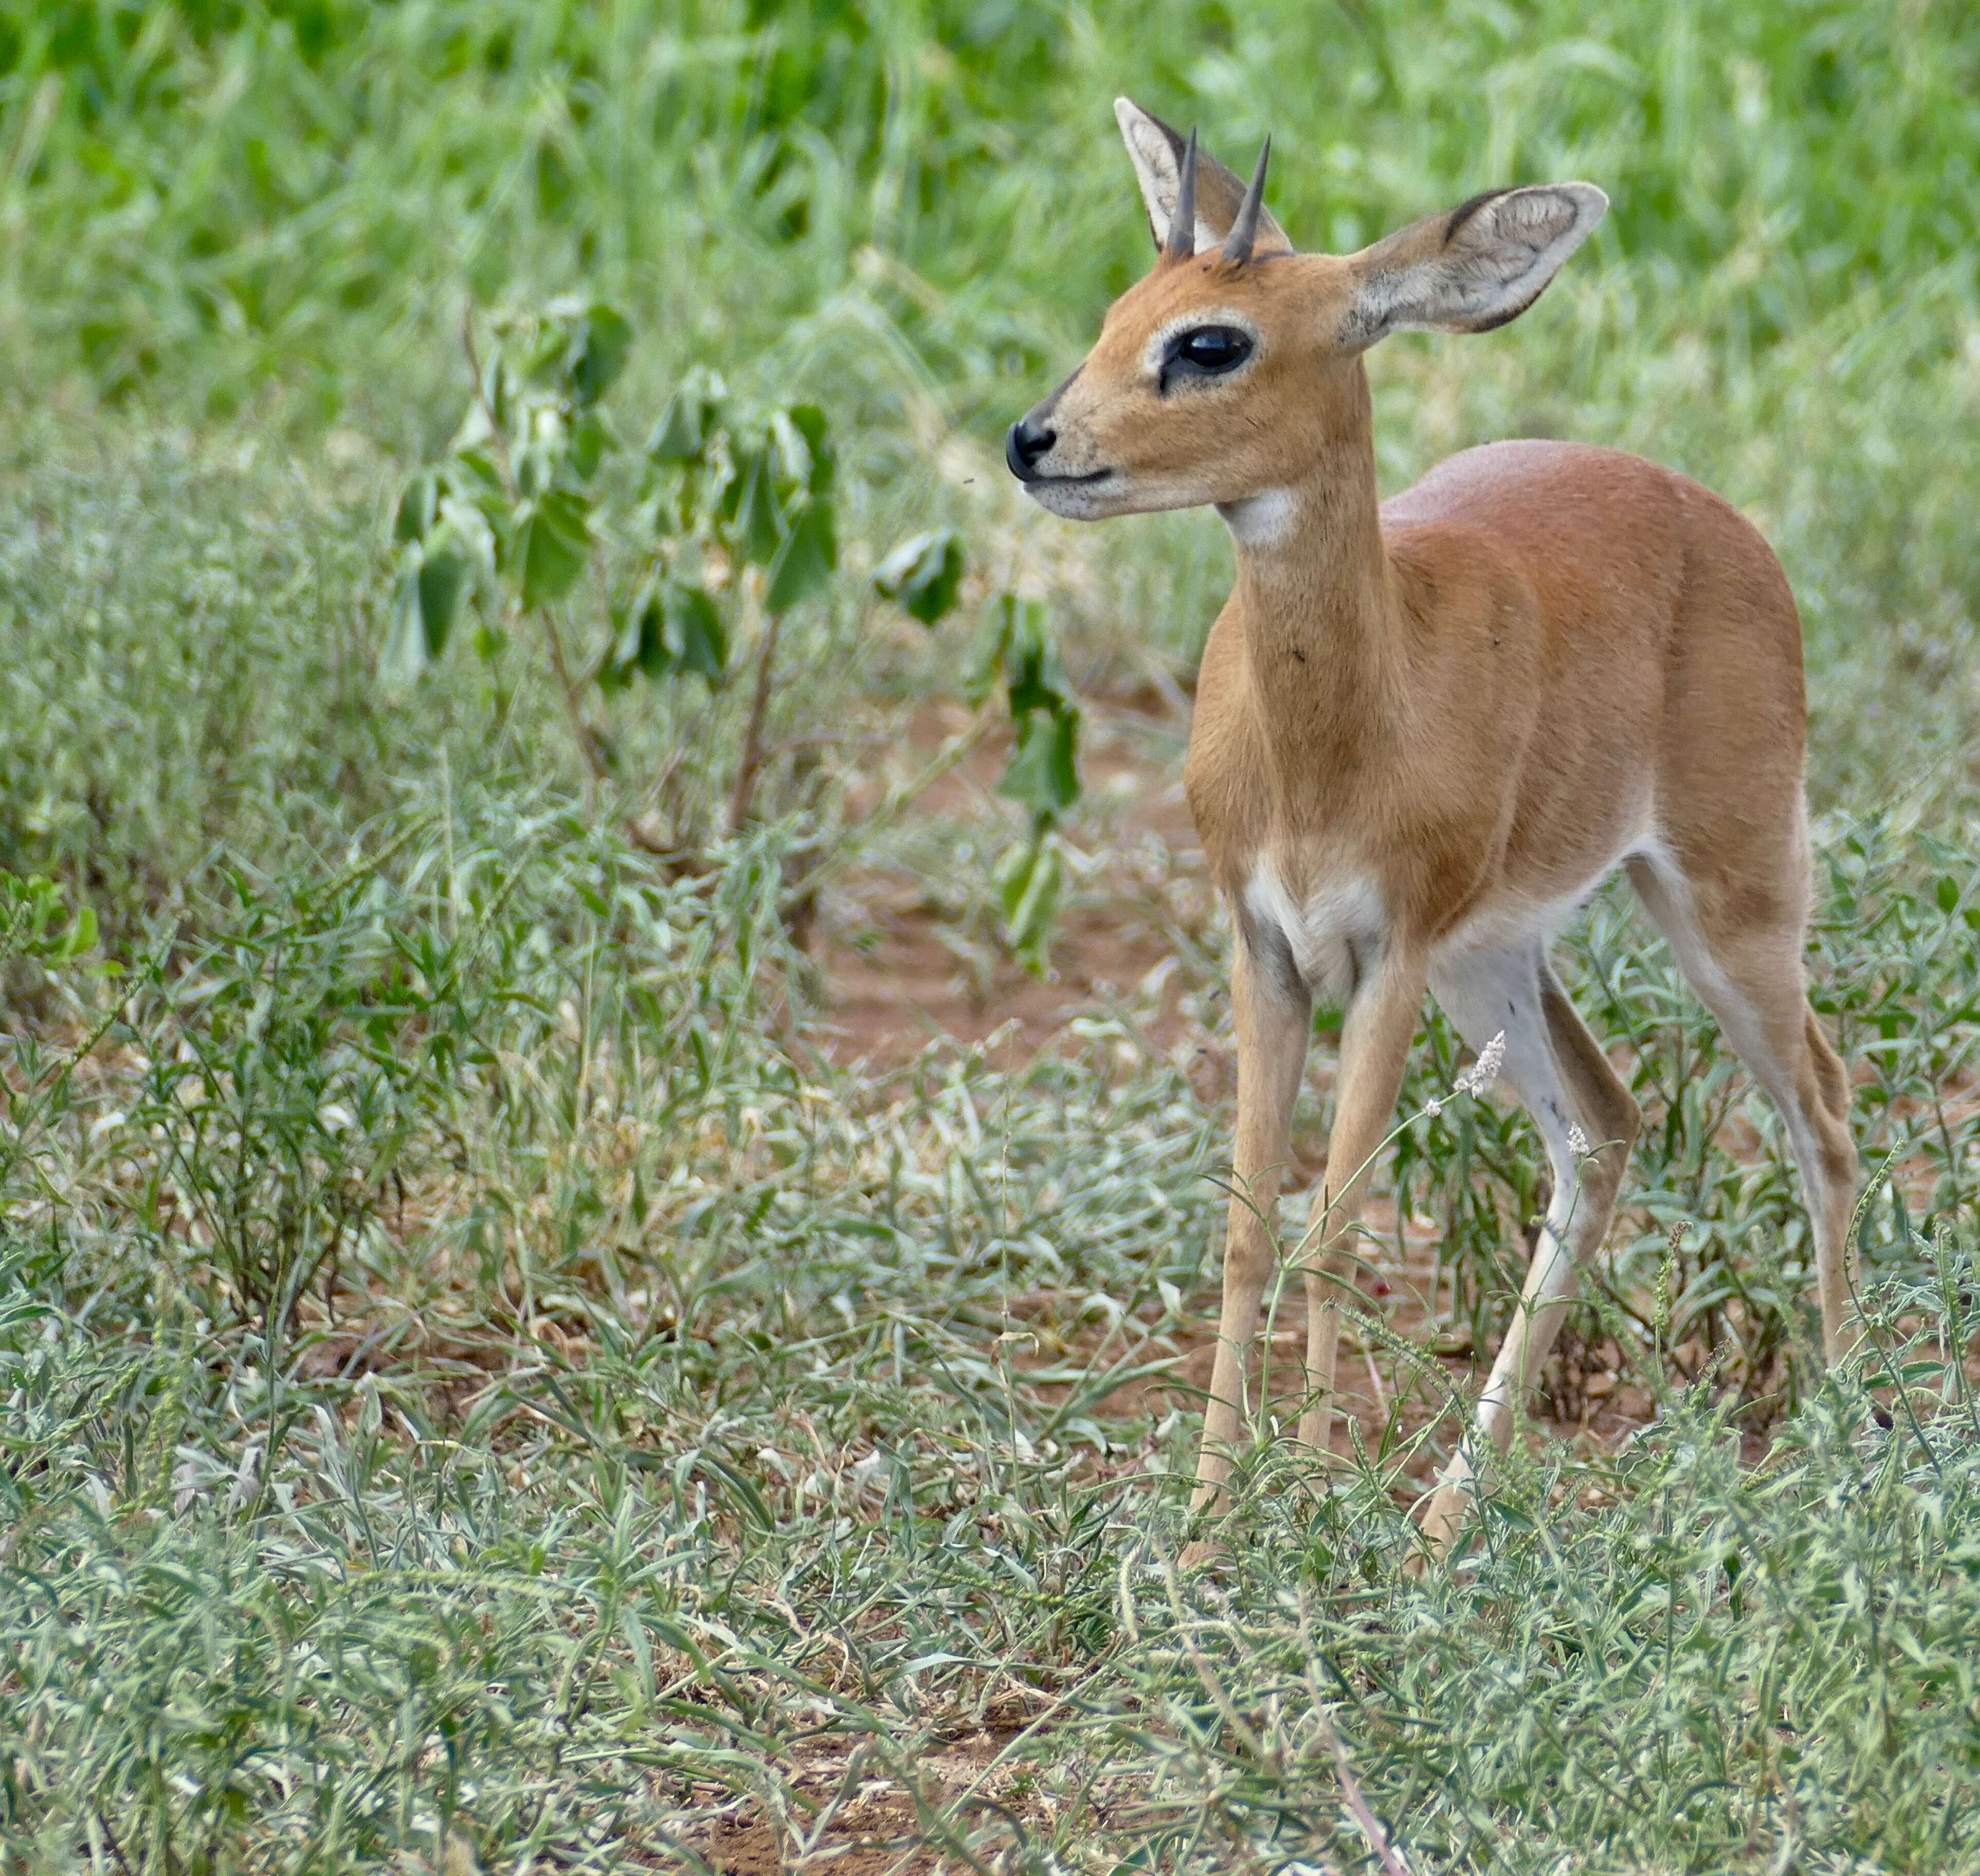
1483 264
1156 152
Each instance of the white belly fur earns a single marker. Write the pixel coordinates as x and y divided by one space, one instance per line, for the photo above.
1338 932
1513 920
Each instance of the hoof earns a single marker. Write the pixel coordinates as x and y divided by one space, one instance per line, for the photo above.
1441 1526
1202 1555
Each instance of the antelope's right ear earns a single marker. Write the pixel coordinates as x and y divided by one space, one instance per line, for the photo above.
1156 152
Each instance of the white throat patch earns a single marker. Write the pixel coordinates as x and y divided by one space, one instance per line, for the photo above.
1265 520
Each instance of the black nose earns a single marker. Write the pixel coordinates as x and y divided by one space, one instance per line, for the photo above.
1028 440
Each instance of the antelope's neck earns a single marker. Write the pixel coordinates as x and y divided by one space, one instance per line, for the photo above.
1316 595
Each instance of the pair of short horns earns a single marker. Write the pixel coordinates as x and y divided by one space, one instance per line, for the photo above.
1243 231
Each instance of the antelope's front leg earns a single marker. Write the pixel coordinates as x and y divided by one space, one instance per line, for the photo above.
1271 1014
1374 1050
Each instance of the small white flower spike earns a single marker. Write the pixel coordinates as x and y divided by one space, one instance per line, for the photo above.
1484 1072
1577 1141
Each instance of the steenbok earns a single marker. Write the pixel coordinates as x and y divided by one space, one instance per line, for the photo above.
1427 729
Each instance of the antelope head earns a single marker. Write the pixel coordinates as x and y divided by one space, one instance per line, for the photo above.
1226 374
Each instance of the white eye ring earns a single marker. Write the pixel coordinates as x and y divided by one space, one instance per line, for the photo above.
1232 347
1155 354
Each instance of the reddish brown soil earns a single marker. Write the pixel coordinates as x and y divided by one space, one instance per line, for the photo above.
905 985
863 1822
902 972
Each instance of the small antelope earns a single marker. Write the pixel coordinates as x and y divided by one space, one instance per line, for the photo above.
1427 729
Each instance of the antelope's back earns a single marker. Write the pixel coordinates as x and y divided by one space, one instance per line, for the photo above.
1647 588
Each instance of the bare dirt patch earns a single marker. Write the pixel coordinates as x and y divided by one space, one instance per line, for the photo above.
910 957
851 1814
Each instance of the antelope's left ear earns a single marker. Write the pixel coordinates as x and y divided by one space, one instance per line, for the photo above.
1481 265
1156 152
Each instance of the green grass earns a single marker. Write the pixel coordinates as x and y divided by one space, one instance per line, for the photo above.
480 1385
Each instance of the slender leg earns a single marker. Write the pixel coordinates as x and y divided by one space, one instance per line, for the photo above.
1271 1014
1743 955
1374 1049
1560 1072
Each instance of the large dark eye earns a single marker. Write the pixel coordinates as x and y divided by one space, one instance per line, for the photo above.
1205 351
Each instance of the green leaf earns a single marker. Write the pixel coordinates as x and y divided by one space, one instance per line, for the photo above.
589 441
598 353
740 463
696 638
417 506
1030 880
639 643
1948 894
986 663
1032 667
672 629
923 576
616 669
550 545
789 455
760 519
544 346
446 574
810 552
809 422
34 923
404 657
433 580
482 475
81 934
496 399
479 483
1043 773
689 420
539 463
678 436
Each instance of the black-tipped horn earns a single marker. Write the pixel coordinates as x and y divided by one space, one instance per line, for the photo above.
1182 223
1244 230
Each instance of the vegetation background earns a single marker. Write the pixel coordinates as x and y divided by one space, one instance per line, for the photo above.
491 1381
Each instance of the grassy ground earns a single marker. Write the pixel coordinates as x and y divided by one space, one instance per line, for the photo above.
492 1378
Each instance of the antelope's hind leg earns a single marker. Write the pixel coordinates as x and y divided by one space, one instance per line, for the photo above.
1741 952
1564 1080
